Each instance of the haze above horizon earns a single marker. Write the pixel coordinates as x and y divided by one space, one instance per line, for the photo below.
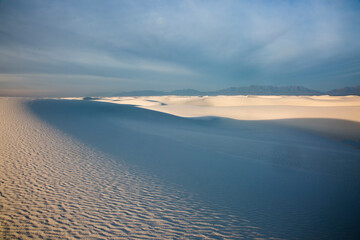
67 48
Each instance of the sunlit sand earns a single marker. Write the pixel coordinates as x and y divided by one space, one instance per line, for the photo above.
301 108
251 107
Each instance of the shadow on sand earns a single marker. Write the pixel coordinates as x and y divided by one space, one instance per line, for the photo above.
291 183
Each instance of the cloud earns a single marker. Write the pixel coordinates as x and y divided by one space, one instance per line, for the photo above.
58 84
169 44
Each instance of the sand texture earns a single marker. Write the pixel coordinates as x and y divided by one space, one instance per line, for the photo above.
94 170
54 187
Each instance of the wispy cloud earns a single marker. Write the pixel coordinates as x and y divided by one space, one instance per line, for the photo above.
170 44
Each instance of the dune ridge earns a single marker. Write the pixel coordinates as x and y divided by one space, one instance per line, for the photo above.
250 107
318 114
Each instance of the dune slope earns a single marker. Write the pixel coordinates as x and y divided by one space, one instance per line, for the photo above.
55 187
287 182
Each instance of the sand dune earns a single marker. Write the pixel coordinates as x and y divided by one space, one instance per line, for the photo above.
53 186
251 107
85 169
301 108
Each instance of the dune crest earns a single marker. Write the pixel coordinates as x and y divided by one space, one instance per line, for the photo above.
250 107
318 114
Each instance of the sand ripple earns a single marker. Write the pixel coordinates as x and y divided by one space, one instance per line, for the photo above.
54 187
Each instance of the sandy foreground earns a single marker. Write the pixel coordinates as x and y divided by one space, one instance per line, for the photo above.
98 170
53 186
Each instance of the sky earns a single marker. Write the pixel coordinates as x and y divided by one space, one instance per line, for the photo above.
77 48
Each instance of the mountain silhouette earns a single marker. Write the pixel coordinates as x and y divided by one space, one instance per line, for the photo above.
249 90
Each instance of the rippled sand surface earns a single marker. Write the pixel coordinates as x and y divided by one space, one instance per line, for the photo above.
93 170
54 187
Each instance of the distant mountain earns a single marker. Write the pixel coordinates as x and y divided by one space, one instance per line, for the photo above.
186 92
183 92
249 90
267 90
345 91
143 93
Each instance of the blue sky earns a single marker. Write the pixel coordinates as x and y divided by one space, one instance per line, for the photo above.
84 47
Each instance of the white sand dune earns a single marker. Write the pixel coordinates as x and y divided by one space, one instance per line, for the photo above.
250 107
85 169
55 187
263 108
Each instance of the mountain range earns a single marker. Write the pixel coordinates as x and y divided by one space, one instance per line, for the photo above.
249 90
